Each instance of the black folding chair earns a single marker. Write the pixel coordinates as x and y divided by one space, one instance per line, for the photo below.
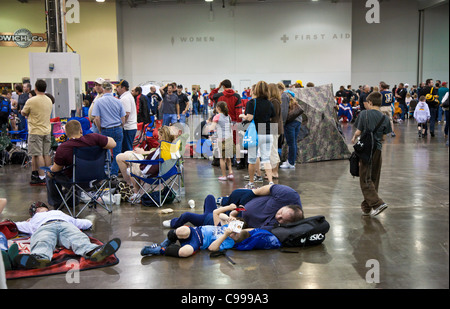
90 170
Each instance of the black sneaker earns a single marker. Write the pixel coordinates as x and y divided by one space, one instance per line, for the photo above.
37 182
31 261
104 251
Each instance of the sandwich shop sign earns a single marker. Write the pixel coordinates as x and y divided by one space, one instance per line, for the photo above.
23 38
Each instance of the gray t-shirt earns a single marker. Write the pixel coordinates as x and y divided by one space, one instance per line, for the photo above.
169 104
369 119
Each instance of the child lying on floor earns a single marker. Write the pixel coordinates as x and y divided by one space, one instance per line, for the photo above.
212 237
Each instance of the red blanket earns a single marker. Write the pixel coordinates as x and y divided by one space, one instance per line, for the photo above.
63 260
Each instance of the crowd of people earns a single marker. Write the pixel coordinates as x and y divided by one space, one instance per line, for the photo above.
400 103
115 111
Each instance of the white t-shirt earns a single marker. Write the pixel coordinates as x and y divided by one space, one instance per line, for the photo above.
129 105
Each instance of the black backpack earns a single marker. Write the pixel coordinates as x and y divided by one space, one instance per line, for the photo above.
365 147
307 232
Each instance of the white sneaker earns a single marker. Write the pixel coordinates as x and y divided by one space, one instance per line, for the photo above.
377 211
287 165
166 223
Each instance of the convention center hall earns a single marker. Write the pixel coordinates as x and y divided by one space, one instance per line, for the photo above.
215 152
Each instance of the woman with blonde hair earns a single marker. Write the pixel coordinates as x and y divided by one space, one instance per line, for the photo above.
275 99
261 110
164 134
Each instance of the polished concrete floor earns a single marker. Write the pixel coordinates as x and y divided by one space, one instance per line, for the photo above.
405 247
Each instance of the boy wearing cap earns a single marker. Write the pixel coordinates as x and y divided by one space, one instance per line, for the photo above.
130 125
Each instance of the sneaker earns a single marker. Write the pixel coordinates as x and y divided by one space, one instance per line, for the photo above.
250 185
105 250
153 249
230 177
31 261
259 179
37 182
166 223
219 201
365 214
287 165
271 183
378 210
134 198
393 134
165 243
223 178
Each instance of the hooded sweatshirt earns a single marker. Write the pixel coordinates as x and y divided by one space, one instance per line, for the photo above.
232 99
422 112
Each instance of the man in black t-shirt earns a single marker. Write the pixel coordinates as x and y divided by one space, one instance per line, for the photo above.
431 94
400 96
183 101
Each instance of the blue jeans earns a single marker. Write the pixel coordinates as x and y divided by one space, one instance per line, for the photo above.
117 135
128 138
195 108
169 119
47 237
433 118
197 219
291 132
446 122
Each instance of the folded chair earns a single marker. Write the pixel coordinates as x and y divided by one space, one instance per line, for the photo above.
90 171
168 180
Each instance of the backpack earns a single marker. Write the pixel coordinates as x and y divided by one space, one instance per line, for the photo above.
9 229
5 107
354 164
307 232
365 147
431 99
147 201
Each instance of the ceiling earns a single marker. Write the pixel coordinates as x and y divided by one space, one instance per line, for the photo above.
422 4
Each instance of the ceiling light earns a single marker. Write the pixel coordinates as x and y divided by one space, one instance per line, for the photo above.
209 0
100 0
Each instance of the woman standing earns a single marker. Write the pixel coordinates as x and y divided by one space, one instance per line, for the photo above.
261 110
275 99
291 132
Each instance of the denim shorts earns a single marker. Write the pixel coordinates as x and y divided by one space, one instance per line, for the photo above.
265 142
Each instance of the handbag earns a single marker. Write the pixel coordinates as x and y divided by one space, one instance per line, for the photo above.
250 139
354 164
294 113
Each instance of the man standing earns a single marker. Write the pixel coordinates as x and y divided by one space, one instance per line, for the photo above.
130 125
109 118
431 94
142 106
387 98
369 172
183 102
363 97
400 96
38 109
23 97
99 90
154 99
170 108
441 92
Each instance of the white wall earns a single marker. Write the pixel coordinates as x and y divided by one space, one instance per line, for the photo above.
387 51
180 43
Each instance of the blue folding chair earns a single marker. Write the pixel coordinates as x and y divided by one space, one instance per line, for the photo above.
90 171
168 180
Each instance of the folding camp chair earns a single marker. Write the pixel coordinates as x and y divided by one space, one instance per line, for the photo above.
90 170
20 140
168 180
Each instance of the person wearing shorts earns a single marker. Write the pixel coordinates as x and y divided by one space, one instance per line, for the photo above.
38 110
261 110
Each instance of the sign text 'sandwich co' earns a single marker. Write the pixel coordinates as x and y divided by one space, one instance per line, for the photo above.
23 38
